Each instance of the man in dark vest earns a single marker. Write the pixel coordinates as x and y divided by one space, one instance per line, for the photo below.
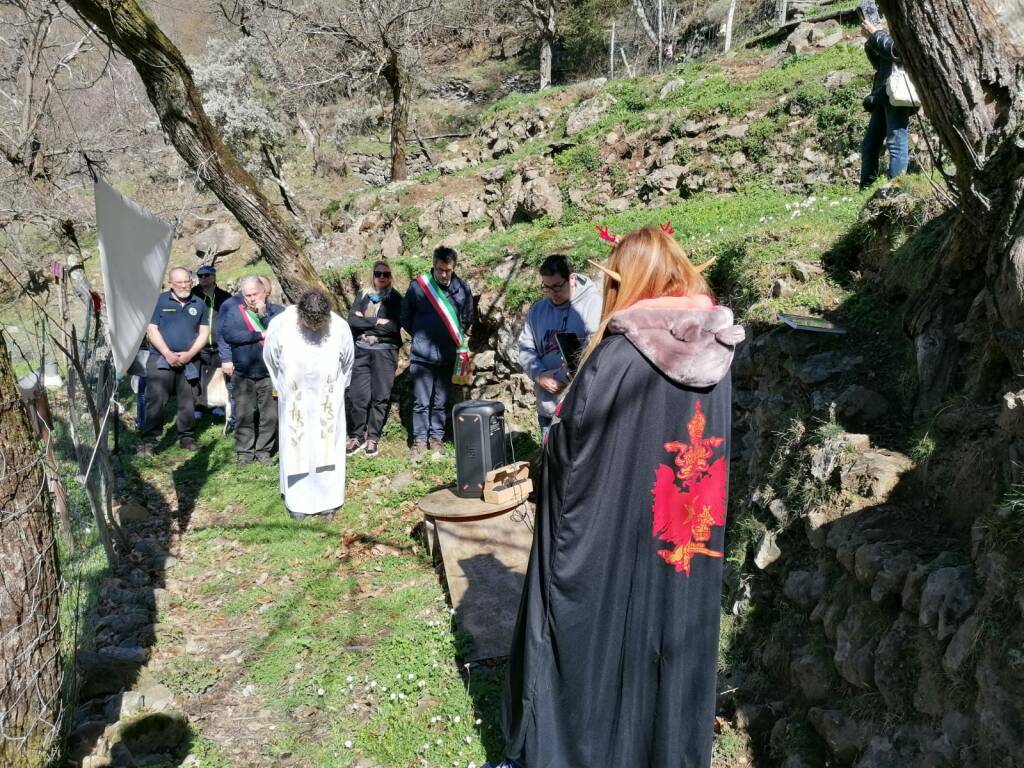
213 297
178 330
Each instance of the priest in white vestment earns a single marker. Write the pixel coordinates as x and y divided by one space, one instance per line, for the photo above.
309 354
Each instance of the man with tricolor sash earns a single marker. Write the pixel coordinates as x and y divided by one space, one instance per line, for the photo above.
243 326
437 312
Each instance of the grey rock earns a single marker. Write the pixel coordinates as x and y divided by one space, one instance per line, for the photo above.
962 645
494 173
805 588
860 403
894 649
737 131
875 474
889 580
811 672
799 40
132 513
391 245
1011 414
101 674
843 735
737 159
999 708
692 128
856 640
156 733
665 178
218 240
839 78
917 577
337 250
768 550
588 113
618 205
803 271
125 621
948 598
825 34
826 365
782 289
778 510
541 198
671 87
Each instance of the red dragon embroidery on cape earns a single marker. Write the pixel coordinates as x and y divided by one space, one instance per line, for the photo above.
685 511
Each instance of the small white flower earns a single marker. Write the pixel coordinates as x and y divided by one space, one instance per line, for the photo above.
320 691
348 744
401 696
411 676
349 679
468 739
393 696
478 721
457 719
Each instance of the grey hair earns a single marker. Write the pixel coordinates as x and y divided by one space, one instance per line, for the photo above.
249 280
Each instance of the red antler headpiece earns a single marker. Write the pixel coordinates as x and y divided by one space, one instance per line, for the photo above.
667 228
605 235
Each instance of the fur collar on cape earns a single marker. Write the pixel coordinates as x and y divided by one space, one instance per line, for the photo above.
688 338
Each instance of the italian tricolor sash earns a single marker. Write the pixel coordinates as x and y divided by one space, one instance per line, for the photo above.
252 321
444 308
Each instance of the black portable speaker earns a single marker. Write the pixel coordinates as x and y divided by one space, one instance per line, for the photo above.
479 431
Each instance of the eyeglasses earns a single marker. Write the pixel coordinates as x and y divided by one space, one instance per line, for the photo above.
381 274
554 288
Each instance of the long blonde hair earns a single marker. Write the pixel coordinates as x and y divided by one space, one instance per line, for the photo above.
651 264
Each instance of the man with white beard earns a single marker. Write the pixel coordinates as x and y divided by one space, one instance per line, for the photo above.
309 354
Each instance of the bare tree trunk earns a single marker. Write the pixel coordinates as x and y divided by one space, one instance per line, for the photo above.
30 662
179 106
967 59
545 62
396 73
645 25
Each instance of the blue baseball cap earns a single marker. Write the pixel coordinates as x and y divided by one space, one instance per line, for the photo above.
206 269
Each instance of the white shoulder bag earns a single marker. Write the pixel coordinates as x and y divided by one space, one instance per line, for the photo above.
900 90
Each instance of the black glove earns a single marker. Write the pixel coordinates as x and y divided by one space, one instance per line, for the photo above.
868 103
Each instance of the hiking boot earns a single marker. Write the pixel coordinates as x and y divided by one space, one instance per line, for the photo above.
146 449
187 443
243 460
354 445
435 445
419 447
267 461
371 448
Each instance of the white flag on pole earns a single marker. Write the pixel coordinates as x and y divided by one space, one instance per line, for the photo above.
134 248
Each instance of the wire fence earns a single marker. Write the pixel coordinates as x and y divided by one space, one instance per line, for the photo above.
65 380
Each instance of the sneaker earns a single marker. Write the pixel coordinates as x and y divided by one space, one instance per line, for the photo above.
187 443
371 448
419 447
353 445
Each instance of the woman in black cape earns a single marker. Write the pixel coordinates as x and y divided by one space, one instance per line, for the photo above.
615 651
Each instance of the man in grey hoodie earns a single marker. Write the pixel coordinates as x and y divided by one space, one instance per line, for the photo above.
571 304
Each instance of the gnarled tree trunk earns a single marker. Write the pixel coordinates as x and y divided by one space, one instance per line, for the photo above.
30 662
173 94
967 60
400 82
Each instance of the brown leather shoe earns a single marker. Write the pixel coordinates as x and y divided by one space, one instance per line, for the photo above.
419 447
371 448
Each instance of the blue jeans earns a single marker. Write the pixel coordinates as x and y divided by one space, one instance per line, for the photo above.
431 385
889 127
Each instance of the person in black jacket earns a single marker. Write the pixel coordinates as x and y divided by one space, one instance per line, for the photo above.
213 296
888 126
243 326
433 327
374 319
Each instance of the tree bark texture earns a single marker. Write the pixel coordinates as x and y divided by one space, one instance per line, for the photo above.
967 61
30 661
399 80
171 90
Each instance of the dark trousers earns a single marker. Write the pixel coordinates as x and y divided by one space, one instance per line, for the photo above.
431 388
161 385
888 127
208 361
369 392
256 418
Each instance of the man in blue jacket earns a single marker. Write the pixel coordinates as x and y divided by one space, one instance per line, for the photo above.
243 326
437 312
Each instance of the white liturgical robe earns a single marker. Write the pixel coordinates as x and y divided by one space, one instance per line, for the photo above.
310 376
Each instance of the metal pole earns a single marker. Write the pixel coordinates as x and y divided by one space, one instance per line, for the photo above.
660 47
611 53
728 26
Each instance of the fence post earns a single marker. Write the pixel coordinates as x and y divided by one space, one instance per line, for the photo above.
611 54
782 5
660 44
728 25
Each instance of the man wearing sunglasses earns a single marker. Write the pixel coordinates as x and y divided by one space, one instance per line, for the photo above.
571 304
374 320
